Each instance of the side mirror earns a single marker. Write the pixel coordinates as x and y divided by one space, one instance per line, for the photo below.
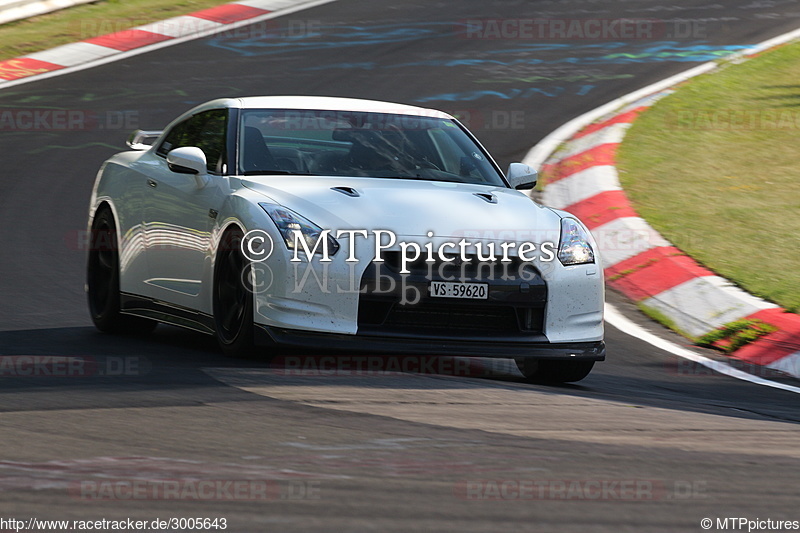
189 160
521 176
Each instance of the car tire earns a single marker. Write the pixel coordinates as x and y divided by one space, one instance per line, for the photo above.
102 280
233 297
550 371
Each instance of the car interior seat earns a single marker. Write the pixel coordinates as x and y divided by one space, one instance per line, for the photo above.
256 153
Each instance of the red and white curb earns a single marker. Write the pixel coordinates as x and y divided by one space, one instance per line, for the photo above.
106 48
582 179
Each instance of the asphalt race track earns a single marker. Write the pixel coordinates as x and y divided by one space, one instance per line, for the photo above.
398 452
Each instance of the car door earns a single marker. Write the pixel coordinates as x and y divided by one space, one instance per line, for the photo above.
179 214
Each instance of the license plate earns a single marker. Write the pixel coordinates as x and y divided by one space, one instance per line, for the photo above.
455 289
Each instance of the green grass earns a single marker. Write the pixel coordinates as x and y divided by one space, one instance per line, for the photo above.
736 334
715 167
89 20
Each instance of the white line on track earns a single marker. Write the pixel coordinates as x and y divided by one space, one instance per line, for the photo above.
624 324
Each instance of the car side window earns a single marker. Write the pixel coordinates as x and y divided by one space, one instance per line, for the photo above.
206 131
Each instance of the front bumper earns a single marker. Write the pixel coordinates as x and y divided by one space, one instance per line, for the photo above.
375 343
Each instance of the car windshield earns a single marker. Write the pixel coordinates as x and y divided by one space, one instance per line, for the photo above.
348 143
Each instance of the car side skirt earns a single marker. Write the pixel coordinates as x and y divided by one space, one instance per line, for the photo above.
131 304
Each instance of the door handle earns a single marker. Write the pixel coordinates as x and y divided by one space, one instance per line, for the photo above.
152 183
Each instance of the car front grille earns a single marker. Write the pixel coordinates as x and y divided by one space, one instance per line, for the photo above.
392 303
449 318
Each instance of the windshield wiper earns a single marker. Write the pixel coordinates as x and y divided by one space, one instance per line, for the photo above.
275 173
401 177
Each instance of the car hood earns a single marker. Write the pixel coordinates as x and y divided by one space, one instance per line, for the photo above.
410 207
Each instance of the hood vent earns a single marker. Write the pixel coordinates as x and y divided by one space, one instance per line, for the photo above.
491 198
349 191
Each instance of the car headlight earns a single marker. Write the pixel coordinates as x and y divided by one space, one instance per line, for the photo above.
575 247
289 223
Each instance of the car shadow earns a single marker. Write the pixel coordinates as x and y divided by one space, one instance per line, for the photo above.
83 368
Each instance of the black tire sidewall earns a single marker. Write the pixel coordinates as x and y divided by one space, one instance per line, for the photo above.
110 318
105 318
241 344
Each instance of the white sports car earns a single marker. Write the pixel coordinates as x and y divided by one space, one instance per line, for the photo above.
332 223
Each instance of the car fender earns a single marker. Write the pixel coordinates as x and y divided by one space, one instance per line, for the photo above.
119 186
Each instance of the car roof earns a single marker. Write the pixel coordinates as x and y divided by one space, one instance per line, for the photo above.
325 103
